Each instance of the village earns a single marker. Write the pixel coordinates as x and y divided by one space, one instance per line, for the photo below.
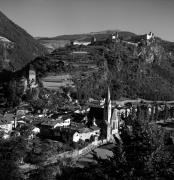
79 126
100 121
56 125
86 90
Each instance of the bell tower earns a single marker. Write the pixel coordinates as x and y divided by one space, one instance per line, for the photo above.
108 105
108 115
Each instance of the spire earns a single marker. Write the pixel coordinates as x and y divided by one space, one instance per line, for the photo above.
108 107
109 111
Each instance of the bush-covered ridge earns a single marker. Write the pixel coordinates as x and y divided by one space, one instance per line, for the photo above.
26 48
143 71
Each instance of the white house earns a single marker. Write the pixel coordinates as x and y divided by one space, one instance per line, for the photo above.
115 37
63 122
6 136
11 118
86 133
35 130
59 122
6 125
149 36
84 43
33 133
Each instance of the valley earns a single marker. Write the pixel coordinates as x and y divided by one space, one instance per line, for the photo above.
97 105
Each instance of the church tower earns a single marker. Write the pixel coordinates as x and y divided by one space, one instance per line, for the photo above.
108 114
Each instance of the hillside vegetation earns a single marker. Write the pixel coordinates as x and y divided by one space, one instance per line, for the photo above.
143 70
25 49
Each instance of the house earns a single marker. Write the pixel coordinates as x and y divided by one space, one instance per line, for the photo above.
85 41
97 112
81 43
48 124
115 37
149 36
63 120
6 124
36 130
59 122
29 131
75 133
4 135
23 109
12 118
86 133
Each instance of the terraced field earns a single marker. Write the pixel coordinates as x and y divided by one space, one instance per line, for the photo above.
57 81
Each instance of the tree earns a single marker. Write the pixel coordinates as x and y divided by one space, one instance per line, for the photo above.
12 152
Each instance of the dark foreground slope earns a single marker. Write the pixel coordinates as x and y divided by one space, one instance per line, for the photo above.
25 49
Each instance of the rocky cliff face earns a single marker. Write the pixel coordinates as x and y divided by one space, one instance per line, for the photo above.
152 52
142 68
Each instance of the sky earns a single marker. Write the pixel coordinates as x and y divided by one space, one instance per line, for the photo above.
57 17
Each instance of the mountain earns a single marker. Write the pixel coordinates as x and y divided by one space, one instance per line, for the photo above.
102 34
144 71
52 43
137 68
25 47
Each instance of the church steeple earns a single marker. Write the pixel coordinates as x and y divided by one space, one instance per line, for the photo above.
109 111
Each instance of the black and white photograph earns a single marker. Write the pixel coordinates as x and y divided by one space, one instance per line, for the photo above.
86 90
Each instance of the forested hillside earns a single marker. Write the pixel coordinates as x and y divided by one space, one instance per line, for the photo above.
144 71
25 49
135 68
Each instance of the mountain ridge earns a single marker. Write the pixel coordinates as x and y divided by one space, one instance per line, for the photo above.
75 36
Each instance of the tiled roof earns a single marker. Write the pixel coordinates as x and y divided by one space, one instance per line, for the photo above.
4 121
9 115
50 122
94 128
84 130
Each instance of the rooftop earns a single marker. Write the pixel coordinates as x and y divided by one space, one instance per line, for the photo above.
3 39
81 128
50 122
4 120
